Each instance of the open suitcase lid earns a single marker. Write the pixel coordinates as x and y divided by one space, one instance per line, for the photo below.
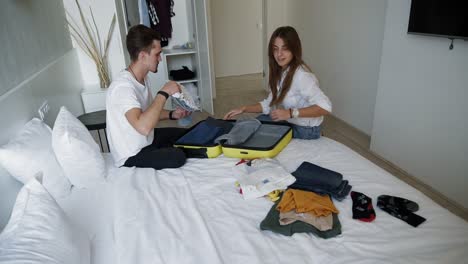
268 135
268 140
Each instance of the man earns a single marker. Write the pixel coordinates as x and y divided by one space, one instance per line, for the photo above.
132 114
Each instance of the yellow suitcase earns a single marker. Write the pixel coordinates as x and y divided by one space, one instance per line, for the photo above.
209 151
267 142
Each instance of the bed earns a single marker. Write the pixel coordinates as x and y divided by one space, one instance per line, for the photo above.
195 214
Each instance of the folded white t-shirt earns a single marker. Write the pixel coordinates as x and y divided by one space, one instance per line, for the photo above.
262 177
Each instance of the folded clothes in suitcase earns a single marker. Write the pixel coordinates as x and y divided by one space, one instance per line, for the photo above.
265 142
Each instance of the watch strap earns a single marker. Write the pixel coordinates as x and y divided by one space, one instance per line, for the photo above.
170 115
163 93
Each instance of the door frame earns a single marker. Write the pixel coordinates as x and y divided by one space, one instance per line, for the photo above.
265 43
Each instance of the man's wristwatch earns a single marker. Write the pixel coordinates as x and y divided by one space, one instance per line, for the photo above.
295 113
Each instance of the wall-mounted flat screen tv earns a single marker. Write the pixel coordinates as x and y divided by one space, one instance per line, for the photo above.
444 18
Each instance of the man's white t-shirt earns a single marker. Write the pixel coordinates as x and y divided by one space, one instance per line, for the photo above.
125 93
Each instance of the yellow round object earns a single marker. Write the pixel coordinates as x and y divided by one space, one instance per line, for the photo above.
274 195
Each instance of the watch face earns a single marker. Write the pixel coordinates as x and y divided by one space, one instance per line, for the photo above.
295 113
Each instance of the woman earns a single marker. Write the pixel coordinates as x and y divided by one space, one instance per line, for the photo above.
295 95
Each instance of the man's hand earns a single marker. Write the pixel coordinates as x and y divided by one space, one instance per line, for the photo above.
171 87
180 113
280 114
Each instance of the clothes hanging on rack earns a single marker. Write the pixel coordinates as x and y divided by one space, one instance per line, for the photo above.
160 13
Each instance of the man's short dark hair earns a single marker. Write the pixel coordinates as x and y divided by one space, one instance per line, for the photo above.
140 38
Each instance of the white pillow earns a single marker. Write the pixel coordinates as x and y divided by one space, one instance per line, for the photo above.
30 152
40 232
77 152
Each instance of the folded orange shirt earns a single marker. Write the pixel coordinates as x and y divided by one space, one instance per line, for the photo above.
305 201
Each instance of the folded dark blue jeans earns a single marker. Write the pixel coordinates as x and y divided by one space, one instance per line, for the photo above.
311 177
314 175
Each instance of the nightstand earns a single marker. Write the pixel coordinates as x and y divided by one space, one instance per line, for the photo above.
96 121
94 99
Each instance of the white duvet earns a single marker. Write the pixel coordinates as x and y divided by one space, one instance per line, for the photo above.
196 215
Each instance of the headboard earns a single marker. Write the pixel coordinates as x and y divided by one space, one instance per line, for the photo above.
60 84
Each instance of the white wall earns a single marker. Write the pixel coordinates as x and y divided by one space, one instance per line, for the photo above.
58 83
341 42
103 11
421 114
237 36
32 34
38 63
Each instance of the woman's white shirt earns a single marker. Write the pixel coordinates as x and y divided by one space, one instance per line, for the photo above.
304 92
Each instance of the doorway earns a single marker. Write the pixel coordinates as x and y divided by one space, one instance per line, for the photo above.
237 29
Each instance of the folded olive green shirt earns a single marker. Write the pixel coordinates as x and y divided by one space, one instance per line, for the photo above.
271 222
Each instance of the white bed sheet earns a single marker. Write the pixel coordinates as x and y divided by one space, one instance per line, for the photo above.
196 215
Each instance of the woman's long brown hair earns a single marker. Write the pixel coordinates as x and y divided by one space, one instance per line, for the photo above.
293 43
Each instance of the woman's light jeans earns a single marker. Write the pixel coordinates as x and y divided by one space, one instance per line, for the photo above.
301 132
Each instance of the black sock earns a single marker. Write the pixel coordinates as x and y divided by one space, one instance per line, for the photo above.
362 207
400 202
400 208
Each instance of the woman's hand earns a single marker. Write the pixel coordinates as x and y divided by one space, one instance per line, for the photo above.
280 114
180 113
234 112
